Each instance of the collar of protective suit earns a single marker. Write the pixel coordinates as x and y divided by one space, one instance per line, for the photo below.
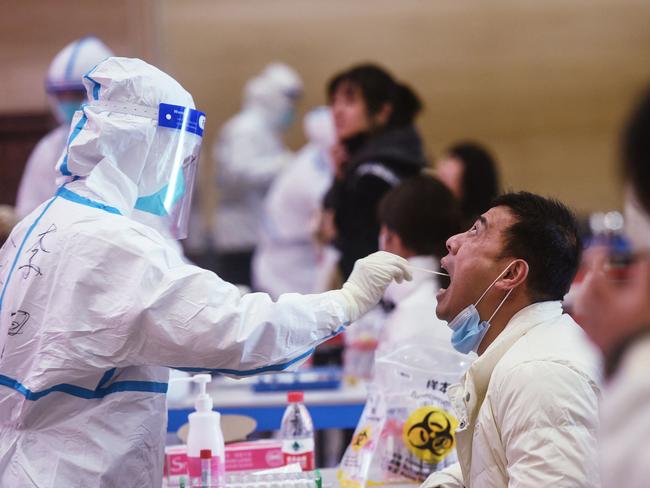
108 185
396 292
468 396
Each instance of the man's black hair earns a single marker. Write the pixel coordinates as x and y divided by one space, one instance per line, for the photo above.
546 236
480 179
378 88
423 213
636 151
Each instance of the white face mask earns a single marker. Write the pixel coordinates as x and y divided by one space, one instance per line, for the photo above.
468 329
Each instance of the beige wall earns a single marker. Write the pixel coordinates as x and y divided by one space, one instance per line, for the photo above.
545 84
33 31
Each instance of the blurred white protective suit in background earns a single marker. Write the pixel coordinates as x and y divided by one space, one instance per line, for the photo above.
38 182
287 257
250 153
94 305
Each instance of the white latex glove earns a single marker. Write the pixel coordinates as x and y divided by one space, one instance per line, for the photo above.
369 279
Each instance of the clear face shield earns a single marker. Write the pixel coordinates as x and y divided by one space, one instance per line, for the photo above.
166 184
180 130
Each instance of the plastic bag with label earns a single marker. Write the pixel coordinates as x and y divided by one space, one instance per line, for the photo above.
407 429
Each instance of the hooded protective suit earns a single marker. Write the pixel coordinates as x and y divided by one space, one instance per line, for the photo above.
94 305
64 75
290 211
250 153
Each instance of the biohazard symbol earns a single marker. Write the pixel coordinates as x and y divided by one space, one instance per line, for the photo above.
361 439
429 433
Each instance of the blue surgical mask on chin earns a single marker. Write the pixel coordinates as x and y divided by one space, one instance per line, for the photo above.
468 328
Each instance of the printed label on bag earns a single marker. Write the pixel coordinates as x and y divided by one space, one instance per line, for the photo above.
429 433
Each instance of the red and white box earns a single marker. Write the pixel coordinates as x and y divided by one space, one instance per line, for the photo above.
240 456
261 454
176 467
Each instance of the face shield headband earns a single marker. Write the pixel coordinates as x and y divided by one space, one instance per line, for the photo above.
170 194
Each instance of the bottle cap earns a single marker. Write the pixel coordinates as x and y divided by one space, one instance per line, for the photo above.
206 454
295 397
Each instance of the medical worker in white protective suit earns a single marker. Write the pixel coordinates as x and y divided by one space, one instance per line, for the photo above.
249 154
95 305
65 93
287 258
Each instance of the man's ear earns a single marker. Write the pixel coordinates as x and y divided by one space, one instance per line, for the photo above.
516 275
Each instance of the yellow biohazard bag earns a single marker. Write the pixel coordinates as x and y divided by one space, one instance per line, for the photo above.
407 429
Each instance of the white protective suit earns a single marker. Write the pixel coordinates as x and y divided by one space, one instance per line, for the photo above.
287 258
528 408
94 305
250 153
38 182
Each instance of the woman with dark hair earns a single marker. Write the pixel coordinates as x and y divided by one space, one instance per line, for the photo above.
470 172
378 147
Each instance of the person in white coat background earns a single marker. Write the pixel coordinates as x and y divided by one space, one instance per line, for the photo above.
616 315
249 154
417 217
65 93
96 305
528 406
288 258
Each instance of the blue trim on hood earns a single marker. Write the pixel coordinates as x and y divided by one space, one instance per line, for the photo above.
66 194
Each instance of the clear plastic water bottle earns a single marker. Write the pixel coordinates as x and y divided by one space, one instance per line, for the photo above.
297 432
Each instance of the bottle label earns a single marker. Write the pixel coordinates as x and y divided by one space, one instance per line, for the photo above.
299 451
206 472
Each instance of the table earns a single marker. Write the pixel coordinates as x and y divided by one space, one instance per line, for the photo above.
329 409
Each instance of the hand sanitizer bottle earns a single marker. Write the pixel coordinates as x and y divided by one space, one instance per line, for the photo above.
205 434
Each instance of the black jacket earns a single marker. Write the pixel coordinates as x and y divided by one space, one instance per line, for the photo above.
377 163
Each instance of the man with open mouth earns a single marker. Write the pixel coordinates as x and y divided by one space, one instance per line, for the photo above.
528 406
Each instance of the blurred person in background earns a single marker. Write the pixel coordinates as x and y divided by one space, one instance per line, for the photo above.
471 173
417 217
614 309
378 147
249 153
287 257
65 93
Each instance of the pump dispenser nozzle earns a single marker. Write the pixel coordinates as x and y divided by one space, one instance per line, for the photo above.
203 402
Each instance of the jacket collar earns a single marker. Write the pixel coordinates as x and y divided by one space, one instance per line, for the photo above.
520 323
466 398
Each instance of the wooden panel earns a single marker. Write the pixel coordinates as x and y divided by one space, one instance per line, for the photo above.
18 136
